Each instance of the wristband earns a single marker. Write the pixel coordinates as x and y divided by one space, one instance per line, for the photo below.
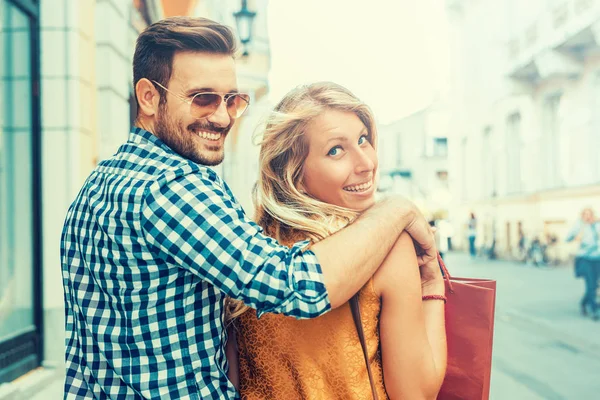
434 297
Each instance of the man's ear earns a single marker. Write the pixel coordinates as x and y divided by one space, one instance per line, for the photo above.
148 97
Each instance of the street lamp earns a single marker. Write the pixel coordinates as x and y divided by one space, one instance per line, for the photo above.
243 20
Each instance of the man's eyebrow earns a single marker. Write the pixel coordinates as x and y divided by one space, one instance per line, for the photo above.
194 91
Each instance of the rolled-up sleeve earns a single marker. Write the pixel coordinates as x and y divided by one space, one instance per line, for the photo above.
194 222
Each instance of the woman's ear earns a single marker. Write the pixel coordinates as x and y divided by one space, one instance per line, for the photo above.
148 97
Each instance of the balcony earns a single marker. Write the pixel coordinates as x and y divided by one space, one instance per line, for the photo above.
554 44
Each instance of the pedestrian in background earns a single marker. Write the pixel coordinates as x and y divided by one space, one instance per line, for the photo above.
587 260
441 236
472 234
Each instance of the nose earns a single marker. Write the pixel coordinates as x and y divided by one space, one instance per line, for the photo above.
363 162
221 117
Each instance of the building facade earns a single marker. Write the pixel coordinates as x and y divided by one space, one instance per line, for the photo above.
64 105
525 90
413 160
66 102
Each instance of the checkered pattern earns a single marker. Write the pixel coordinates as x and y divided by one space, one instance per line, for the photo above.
150 247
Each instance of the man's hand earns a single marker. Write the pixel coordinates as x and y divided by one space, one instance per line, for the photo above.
363 245
418 228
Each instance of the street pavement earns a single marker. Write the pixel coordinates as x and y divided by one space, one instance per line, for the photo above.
543 347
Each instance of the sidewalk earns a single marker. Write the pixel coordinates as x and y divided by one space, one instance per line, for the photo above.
39 384
545 298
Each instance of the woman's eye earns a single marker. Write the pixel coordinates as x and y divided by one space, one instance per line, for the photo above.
334 151
362 139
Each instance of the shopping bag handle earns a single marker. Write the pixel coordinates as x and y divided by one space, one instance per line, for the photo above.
446 273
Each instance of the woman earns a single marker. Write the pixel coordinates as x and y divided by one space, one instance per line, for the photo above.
472 234
318 170
587 261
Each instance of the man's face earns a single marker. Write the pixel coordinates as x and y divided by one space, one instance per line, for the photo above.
199 140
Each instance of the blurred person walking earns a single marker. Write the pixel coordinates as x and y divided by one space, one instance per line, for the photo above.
472 234
441 236
587 261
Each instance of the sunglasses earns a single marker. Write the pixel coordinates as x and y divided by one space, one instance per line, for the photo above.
205 104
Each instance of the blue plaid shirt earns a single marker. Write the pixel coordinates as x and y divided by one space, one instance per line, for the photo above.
150 247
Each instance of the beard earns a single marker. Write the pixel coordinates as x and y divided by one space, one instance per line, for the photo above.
185 140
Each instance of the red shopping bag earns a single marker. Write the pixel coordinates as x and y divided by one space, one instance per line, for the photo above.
469 330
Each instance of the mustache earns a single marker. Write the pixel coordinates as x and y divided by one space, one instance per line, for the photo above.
207 126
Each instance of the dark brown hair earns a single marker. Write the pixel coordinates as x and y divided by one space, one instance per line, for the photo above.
156 46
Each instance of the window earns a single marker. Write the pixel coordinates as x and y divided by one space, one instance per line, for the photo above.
551 138
19 310
489 169
440 147
513 153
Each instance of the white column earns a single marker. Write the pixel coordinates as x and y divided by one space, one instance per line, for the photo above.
114 73
68 141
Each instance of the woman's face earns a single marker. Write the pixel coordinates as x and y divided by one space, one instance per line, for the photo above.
341 166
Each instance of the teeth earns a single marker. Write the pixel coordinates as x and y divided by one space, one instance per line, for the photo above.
209 135
359 188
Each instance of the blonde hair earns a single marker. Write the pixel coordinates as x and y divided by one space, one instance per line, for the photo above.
282 208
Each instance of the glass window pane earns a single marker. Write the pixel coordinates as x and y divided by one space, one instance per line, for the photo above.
16 208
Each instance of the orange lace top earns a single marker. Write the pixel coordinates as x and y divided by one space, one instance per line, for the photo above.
284 358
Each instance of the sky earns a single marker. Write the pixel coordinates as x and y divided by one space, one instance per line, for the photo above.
390 53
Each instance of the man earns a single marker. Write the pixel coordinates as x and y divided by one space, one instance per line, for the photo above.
155 240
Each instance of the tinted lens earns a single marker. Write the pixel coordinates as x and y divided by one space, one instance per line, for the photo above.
205 104
237 104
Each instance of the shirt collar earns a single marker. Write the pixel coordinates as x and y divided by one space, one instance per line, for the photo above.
142 136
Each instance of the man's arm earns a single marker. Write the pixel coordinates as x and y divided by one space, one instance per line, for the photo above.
351 256
194 223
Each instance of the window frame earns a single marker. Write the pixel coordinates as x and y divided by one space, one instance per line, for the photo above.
24 351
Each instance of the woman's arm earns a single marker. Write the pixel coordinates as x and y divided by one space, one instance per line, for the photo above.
574 232
412 331
231 351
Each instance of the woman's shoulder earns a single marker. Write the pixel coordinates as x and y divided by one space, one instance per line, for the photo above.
389 273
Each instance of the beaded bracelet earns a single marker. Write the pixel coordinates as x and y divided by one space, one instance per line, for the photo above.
434 297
